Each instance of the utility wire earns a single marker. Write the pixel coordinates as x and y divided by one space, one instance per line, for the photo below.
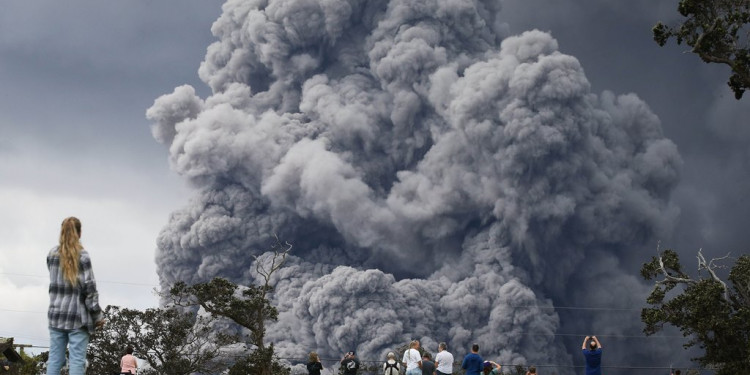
546 307
98 281
23 311
380 300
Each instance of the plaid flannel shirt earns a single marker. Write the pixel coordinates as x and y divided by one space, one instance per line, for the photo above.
72 307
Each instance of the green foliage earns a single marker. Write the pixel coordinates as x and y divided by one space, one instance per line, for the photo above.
177 341
169 340
715 317
717 31
248 308
253 363
32 365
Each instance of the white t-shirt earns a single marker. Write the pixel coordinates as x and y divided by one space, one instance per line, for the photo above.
445 362
411 358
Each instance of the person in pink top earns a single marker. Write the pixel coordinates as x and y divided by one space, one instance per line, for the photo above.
128 363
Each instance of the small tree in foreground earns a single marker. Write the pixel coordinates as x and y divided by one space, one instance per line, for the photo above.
248 306
718 32
716 315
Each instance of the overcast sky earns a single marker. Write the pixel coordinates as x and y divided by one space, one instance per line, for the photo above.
77 77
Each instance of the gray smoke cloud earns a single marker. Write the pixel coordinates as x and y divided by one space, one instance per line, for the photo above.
439 179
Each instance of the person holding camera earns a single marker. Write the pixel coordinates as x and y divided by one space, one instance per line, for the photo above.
313 364
350 363
592 353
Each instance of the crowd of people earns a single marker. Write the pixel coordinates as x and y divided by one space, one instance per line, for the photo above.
414 363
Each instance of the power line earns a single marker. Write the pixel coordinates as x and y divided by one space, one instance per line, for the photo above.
514 334
23 311
543 307
97 281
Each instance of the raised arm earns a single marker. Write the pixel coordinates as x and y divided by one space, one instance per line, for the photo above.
585 341
598 344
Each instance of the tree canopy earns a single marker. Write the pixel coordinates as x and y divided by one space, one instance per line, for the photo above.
718 32
715 314
247 306
169 340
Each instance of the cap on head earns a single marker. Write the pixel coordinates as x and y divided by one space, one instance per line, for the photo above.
487 364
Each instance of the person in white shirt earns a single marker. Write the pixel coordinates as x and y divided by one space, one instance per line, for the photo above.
443 360
412 358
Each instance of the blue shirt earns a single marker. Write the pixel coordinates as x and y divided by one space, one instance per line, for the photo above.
472 364
593 361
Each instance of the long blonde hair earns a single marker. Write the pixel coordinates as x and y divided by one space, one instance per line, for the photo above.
70 248
314 357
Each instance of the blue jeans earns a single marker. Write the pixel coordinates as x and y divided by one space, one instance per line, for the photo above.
414 371
59 340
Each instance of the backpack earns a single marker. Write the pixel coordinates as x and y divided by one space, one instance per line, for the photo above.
391 369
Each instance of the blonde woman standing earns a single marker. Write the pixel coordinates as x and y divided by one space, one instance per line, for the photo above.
74 310
412 360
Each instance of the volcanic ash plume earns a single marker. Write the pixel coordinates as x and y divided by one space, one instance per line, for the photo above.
438 179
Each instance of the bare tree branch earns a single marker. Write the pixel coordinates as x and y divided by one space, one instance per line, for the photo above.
710 266
669 278
280 251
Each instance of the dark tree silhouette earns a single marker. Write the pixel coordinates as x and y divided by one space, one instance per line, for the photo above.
718 32
713 313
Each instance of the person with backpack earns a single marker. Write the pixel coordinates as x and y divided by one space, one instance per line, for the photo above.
391 367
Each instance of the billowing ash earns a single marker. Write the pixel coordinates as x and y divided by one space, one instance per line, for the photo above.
438 179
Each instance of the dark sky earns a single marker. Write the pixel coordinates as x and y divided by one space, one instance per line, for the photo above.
698 111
